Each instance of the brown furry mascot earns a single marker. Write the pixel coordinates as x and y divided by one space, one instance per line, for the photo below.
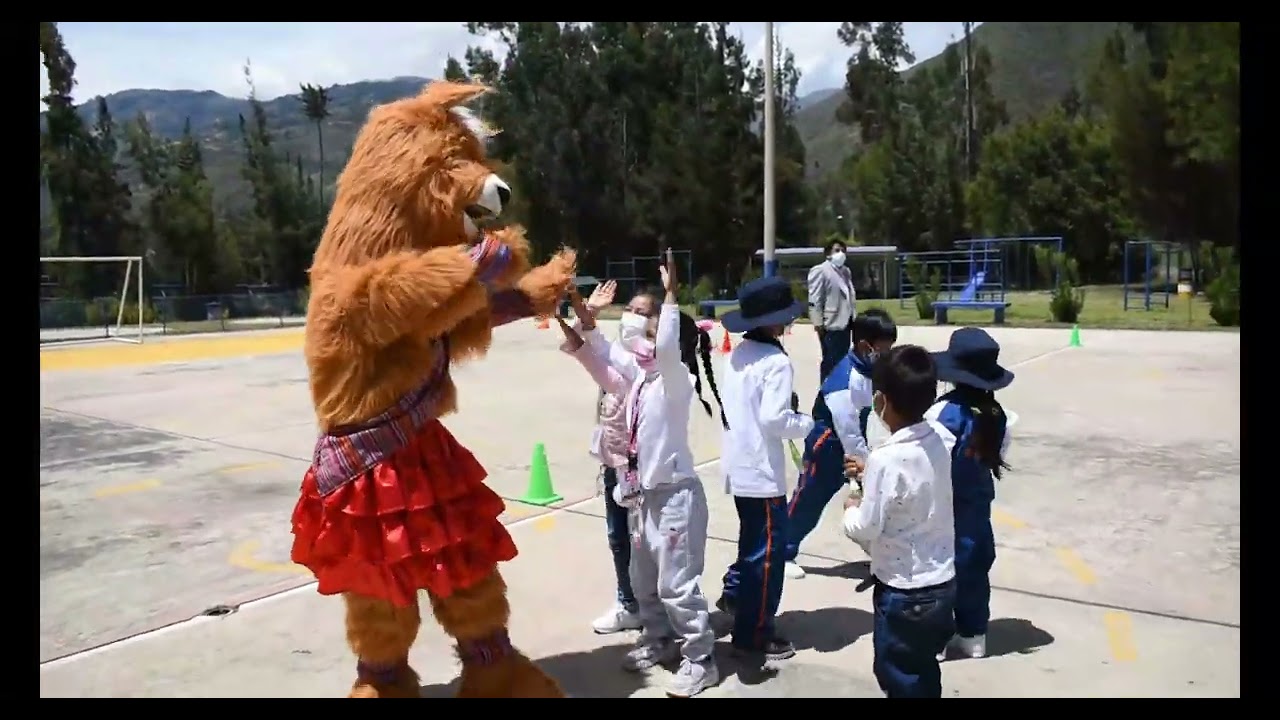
402 285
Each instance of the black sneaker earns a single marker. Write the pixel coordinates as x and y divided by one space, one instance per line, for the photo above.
726 606
775 649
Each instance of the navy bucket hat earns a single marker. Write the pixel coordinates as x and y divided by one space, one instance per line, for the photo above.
972 358
762 303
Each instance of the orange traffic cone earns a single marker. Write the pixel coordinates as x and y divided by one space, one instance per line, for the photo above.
726 347
544 323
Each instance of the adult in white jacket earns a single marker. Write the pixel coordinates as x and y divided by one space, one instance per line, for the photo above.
760 405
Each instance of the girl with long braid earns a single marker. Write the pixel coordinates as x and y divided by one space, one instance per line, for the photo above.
667 506
977 431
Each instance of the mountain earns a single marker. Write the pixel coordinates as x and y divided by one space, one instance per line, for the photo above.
1033 66
215 120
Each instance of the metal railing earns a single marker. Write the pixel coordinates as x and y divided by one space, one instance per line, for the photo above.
166 314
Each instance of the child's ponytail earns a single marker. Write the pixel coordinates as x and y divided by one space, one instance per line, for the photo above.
704 351
989 426
696 341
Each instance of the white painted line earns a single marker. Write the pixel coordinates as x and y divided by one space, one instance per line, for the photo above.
291 592
310 587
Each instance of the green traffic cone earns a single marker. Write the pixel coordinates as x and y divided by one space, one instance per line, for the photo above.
540 491
1075 336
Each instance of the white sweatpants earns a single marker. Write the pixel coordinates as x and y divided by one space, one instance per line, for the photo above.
666 566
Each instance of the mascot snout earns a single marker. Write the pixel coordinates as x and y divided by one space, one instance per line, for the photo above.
494 196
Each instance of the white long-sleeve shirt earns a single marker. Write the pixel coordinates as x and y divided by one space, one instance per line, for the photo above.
662 425
906 521
756 390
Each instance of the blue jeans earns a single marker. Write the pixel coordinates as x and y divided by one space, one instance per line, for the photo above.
835 345
911 628
615 522
754 582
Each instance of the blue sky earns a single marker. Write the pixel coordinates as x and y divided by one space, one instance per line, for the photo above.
209 56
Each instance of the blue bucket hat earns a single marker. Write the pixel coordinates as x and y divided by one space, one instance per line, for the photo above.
972 358
762 303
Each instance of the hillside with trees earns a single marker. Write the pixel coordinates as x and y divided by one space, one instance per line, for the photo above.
619 138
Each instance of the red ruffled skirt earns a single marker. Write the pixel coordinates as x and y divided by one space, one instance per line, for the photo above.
421 520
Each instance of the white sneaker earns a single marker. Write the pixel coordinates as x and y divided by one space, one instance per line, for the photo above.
646 654
692 678
793 571
617 619
974 647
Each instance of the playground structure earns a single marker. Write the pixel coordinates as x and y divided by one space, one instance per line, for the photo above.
1158 259
870 280
979 270
639 271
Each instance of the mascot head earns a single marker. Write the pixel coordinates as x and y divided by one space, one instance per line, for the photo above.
417 178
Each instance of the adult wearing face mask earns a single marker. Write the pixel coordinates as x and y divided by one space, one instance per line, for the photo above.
832 305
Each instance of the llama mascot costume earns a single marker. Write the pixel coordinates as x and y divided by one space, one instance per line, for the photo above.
404 284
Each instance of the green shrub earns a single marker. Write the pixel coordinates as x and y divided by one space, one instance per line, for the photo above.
1224 290
704 289
927 289
1067 298
800 290
105 311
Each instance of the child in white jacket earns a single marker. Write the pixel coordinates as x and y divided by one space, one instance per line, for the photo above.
666 502
760 403
609 446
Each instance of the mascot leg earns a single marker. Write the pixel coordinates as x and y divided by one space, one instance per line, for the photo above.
381 634
477 619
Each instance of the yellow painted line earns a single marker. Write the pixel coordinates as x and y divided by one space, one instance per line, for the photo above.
544 524
231 469
1077 566
1120 636
245 556
1003 518
109 355
114 490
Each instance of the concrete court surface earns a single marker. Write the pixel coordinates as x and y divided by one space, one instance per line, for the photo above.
166 490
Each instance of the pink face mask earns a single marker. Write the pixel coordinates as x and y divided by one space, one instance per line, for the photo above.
646 357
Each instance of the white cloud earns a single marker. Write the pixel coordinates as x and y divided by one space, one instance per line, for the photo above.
209 56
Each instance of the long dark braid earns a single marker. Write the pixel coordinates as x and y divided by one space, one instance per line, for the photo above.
695 342
989 425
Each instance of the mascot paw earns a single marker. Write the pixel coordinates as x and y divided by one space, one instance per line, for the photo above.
404 686
547 284
514 676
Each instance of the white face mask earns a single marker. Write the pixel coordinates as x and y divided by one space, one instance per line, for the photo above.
837 258
877 431
631 328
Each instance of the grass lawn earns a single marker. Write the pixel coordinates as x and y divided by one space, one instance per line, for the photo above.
1103 308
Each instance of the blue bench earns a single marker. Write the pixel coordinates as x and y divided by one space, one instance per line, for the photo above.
707 308
940 309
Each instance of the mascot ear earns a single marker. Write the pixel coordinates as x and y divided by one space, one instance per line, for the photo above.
451 94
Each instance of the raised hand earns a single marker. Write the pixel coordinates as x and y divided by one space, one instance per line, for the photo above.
602 296
585 314
669 281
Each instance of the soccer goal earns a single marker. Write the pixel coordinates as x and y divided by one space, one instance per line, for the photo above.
66 319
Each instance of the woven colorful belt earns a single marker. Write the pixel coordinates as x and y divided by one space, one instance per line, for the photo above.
347 452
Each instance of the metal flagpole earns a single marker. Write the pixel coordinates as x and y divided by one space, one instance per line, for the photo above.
770 265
